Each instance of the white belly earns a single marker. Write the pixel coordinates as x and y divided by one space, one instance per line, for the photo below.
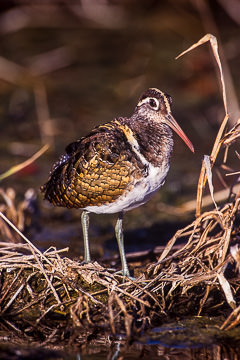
140 194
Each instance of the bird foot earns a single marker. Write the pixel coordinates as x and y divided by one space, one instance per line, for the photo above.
124 275
84 262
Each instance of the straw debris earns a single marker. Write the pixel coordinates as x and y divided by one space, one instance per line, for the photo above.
200 278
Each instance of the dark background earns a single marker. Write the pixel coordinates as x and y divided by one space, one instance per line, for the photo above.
67 66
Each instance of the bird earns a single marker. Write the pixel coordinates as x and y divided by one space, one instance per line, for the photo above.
118 166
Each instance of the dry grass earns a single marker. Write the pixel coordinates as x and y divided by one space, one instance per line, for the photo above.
38 287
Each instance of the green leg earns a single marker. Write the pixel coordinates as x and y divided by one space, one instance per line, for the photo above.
119 236
85 226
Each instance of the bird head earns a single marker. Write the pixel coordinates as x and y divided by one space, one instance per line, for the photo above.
156 106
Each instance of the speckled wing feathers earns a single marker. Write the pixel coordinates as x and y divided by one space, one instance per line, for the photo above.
95 170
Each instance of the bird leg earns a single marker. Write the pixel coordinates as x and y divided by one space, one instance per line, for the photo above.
85 226
120 240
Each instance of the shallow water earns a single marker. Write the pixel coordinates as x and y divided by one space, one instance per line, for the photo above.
191 339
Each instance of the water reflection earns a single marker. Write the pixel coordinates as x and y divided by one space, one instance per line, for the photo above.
117 351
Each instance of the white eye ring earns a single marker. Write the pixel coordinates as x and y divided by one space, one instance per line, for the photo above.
152 102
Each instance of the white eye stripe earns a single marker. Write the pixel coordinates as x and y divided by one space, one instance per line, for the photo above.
155 103
165 100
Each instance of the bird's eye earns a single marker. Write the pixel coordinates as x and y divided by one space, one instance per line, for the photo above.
150 101
154 103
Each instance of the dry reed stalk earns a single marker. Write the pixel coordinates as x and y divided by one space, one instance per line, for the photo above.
233 320
202 178
16 168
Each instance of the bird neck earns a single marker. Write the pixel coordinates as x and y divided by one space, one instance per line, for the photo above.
154 139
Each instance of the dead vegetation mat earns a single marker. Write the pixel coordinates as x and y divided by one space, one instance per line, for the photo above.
201 278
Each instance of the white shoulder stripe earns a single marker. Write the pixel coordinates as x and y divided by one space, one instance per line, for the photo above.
133 142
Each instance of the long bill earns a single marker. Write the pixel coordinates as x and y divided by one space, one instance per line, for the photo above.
170 121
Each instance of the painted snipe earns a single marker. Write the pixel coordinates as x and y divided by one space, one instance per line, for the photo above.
118 166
